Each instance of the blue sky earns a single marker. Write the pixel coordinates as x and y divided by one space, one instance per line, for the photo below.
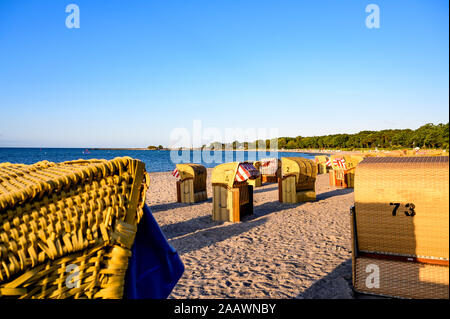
136 70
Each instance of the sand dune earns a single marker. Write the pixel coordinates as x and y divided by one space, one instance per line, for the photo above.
282 251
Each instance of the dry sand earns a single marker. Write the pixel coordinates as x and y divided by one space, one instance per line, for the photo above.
282 251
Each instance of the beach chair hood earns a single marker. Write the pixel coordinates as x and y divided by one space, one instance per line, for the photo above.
304 170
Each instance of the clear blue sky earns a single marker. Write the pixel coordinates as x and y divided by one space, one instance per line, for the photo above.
135 70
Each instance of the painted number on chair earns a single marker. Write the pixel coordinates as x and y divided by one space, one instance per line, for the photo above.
73 279
373 277
409 209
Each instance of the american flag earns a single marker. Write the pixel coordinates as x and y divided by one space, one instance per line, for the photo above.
175 173
340 162
246 171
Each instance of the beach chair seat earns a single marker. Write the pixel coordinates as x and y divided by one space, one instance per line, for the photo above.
232 195
66 229
297 183
400 227
191 187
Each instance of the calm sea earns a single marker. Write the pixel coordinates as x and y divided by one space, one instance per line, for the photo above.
155 161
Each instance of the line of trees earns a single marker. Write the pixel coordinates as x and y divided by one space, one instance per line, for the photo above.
155 148
426 136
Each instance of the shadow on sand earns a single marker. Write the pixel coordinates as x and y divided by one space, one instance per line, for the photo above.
206 234
173 205
336 192
262 190
336 285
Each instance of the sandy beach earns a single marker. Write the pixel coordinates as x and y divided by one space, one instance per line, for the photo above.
282 251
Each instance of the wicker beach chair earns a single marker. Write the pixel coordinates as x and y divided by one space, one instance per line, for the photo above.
400 230
232 200
256 182
344 177
321 161
66 229
191 187
270 170
297 183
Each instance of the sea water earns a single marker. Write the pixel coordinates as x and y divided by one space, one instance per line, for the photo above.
155 161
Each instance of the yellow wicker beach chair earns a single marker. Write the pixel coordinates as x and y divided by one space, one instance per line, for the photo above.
401 227
344 178
66 229
232 200
191 187
321 161
297 183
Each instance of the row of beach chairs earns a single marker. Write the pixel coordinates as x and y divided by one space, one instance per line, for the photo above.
400 221
86 213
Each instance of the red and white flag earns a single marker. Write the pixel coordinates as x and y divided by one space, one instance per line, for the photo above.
246 171
175 173
340 162
328 163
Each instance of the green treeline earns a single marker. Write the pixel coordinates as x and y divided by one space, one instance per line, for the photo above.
426 136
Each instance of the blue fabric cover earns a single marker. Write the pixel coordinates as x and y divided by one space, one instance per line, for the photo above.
154 267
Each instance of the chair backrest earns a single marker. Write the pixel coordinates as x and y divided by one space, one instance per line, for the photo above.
304 170
196 172
225 174
402 205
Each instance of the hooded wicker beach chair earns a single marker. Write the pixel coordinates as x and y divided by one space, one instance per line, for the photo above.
343 177
322 167
270 170
297 183
401 227
232 195
191 187
66 229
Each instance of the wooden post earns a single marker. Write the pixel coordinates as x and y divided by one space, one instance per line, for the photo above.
178 192
236 205
280 189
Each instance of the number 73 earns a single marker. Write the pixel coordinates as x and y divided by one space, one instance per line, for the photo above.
410 206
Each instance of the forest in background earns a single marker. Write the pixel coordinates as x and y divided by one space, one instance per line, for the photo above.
426 136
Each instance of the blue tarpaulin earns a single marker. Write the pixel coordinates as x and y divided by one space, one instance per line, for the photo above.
154 267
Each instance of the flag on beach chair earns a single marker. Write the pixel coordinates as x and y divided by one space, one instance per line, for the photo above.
340 163
175 173
246 171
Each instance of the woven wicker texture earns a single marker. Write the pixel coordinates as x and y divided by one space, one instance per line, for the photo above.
401 279
402 206
304 170
196 172
224 174
57 215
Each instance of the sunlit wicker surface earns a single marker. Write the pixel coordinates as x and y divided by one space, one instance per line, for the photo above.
57 216
419 188
401 227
